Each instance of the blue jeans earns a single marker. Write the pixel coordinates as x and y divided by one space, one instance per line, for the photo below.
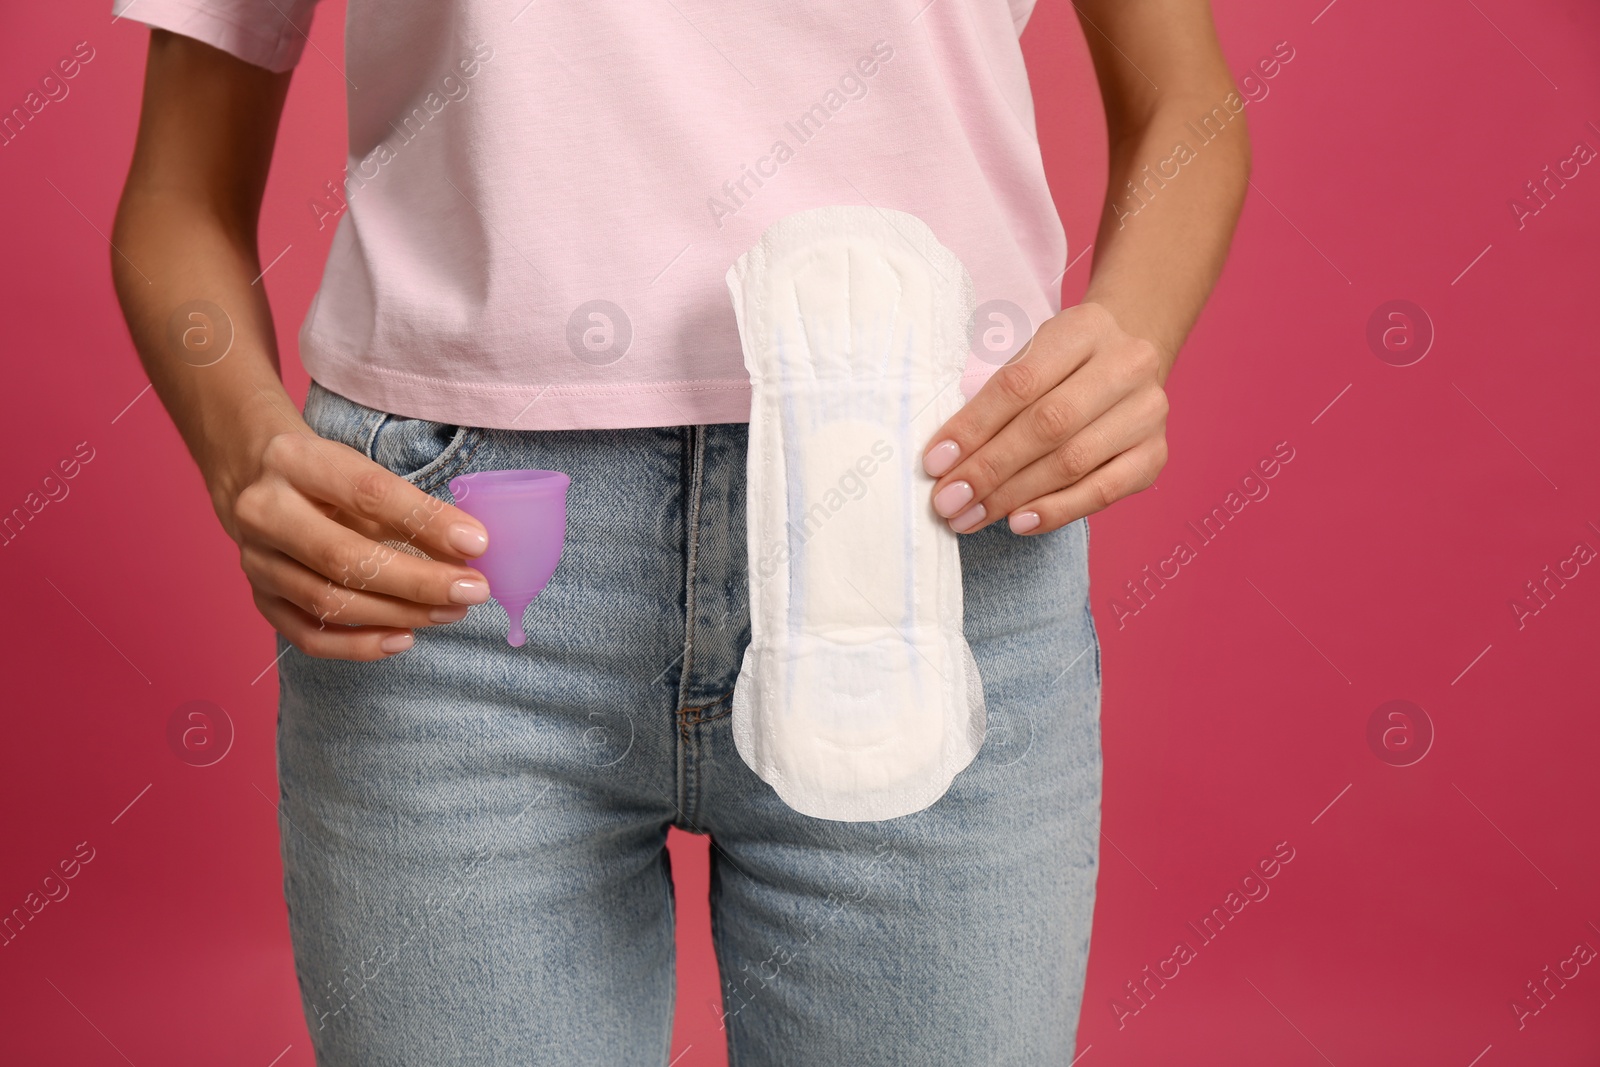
473 834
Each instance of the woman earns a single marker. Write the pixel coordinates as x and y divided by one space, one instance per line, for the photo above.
540 205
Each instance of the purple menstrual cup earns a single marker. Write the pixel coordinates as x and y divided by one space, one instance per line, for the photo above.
525 513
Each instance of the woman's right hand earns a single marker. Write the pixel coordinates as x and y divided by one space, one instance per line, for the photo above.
310 515
310 523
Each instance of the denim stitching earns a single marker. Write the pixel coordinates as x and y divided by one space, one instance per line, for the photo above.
697 450
364 438
695 716
367 429
338 418
454 462
692 549
685 760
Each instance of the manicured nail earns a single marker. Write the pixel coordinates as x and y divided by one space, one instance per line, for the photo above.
396 643
967 519
1023 521
952 498
467 540
469 591
941 457
455 614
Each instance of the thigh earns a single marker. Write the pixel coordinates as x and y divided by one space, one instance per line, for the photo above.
958 934
473 835
462 888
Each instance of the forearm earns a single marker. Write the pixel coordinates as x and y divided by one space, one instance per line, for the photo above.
1169 214
173 255
184 257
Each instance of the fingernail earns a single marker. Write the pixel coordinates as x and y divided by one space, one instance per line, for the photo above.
952 498
469 591
941 457
467 540
1023 521
967 519
396 642
448 614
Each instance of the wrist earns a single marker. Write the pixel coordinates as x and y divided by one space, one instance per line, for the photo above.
230 458
1129 321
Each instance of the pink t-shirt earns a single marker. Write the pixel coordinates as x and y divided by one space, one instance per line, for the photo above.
542 198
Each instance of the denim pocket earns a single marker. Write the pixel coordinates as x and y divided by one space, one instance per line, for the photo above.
423 452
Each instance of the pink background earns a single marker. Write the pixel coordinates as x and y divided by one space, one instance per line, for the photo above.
1382 565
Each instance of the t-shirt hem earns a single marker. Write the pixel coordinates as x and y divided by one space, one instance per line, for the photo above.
533 407
624 406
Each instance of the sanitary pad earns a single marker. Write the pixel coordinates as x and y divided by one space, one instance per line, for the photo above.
858 697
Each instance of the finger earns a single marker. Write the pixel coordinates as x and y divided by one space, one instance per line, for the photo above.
275 514
1061 345
1122 476
1049 423
332 604
328 471
361 643
1128 423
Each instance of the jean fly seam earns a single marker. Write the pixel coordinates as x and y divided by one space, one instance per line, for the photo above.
691 517
691 512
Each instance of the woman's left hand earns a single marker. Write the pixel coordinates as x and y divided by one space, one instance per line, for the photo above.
1075 422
